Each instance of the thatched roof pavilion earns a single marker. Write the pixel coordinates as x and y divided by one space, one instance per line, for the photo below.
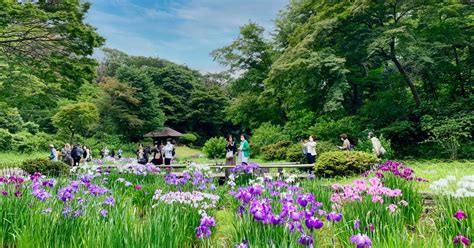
160 136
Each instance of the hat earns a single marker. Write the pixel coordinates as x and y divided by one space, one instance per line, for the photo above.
51 146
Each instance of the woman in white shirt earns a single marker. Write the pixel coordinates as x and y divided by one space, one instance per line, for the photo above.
168 151
310 150
377 147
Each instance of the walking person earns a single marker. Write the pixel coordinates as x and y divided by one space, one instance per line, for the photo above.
244 150
377 147
310 150
54 154
169 152
346 144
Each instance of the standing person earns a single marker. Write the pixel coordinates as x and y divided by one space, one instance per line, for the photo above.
87 156
112 153
377 147
346 144
54 154
66 154
157 158
231 150
169 152
311 150
244 150
141 155
119 153
106 152
77 154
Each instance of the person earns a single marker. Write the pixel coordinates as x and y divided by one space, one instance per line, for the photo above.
119 153
141 155
87 156
169 152
346 144
54 154
76 154
157 158
244 150
231 149
112 153
377 147
106 152
304 148
310 150
66 154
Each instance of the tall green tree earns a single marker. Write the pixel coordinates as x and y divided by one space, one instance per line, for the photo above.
76 118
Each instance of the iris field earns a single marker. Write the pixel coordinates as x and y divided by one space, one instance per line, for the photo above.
118 203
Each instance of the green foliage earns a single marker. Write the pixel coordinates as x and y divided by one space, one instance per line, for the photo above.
31 127
330 130
188 138
448 133
323 146
5 139
76 118
10 118
295 153
275 151
45 167
340 163
215 147
265 135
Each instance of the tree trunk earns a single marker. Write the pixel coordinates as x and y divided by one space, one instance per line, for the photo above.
459 70
408 80
404 73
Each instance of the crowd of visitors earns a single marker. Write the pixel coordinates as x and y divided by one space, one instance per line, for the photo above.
164 154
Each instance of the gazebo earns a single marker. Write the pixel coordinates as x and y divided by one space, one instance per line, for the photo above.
160 136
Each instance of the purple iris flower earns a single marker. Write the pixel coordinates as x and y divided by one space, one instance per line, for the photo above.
4 193
103 212
361 241
356 224
306 240
460 215
314 223
242 245
336 217
460 238
109 200
295 216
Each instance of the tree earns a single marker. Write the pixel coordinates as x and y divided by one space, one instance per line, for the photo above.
117 105
76 118
51 39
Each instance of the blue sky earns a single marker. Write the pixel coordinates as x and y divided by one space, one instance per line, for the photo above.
183 31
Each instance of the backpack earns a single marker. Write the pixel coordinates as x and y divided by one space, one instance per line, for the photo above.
78 152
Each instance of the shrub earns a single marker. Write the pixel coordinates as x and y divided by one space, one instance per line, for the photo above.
5 139
325 146
31 127
330 130
276 151
295 154
339 163
215 147
45 166
188 138
265 135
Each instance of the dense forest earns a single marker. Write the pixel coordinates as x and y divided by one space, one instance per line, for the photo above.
402 69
